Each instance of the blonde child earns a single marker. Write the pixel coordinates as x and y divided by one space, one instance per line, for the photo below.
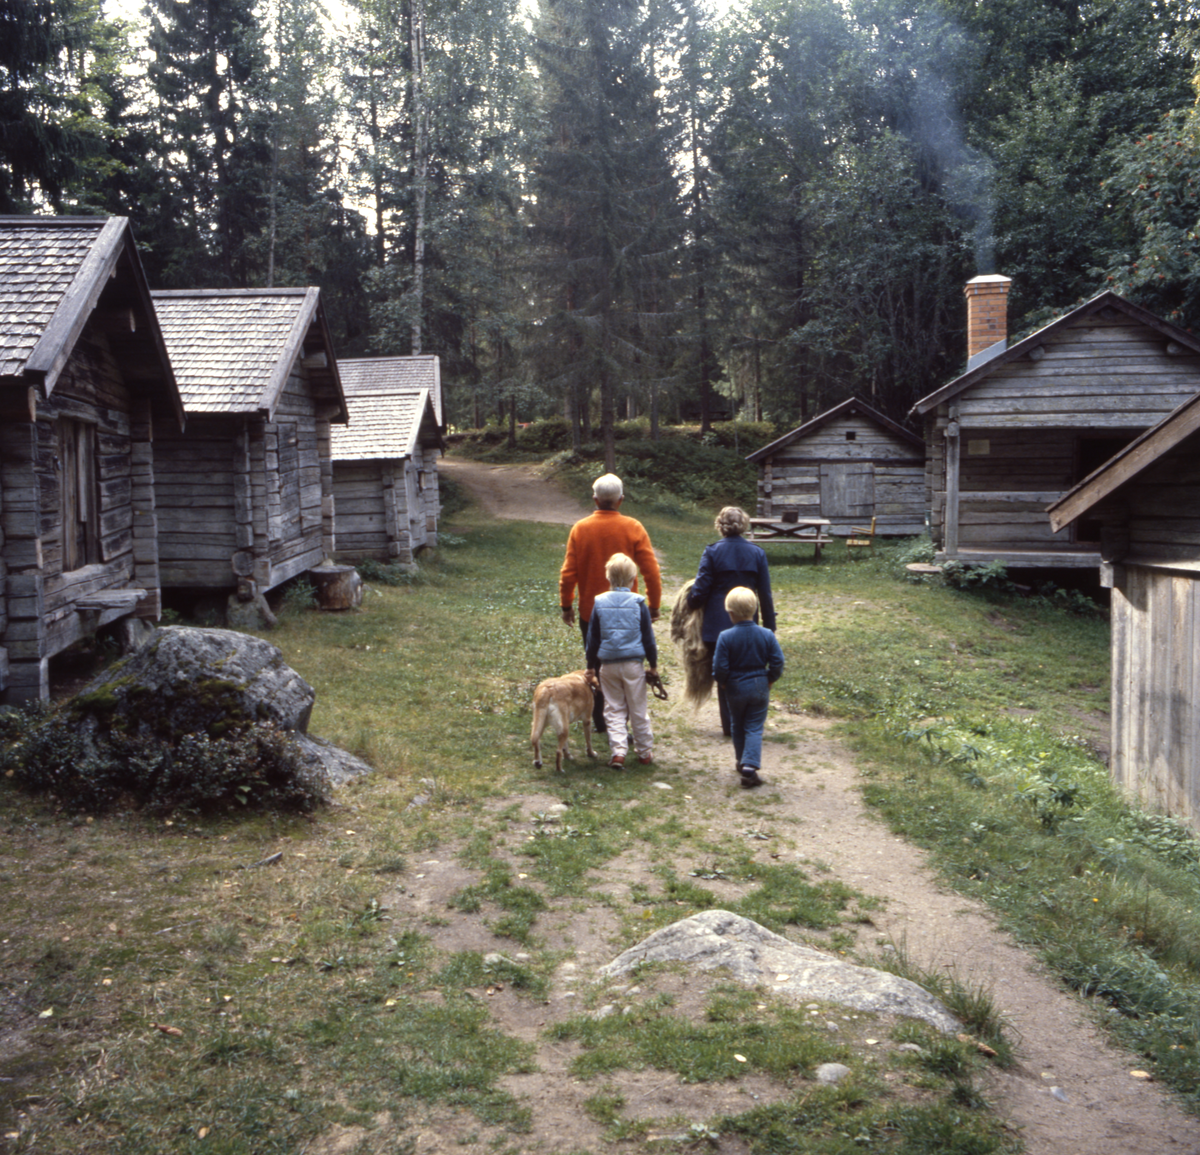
746 661
620 637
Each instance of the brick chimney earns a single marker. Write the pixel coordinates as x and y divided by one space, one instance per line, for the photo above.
987 318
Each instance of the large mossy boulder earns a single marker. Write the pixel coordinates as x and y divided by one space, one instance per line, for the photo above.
187 680
197 720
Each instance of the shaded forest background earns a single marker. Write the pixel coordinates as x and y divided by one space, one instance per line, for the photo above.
615 208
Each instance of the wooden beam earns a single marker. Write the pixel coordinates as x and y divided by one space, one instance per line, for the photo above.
953 448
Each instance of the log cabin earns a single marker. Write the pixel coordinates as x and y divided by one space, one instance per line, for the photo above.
1026 422
385 477
849 464
1146 502
245 499
85 385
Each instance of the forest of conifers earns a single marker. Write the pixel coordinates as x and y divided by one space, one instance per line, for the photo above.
615 208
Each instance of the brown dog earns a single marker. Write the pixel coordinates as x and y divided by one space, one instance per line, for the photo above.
557 702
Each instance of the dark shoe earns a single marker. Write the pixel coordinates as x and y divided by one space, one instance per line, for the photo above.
645 759
750 778
617 761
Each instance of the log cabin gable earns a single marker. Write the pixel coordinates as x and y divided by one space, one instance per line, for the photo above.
1007 438
84 379
260 364
384 462
849 464
63 276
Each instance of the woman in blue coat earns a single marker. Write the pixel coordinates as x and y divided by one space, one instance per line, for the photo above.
726 564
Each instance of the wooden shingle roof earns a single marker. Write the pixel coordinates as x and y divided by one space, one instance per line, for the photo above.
234 349
381 374
38 262
387 421
59 273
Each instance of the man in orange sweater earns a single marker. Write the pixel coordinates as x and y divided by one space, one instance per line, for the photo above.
592 541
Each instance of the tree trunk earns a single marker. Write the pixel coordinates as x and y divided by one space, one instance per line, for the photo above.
421 170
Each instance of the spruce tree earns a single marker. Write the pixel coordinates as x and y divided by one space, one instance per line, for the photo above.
607 219
207 64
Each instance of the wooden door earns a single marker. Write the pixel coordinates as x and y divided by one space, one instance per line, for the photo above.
847 490
79 508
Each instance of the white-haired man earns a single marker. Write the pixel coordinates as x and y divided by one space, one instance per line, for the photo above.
592 541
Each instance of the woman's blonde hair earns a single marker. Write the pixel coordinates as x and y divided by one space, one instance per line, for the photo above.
620 570
741 603
732 522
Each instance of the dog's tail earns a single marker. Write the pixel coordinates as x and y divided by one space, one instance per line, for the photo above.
694 653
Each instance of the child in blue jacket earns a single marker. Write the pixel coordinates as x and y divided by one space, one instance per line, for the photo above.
620 637
747 659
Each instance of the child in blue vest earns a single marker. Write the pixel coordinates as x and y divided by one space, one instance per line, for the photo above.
620 637
746 661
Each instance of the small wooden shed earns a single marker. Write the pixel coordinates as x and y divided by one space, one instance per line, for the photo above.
1025 423
85 386
245 500
385 478
1146 501
849 464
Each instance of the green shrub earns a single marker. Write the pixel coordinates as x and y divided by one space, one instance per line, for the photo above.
385 573
297 596
694 473
743 436
993 575
86 768
549 436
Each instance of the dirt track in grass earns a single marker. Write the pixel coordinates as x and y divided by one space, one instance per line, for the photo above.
1070 1093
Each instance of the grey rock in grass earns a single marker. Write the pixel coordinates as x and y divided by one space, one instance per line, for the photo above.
719 939
831 1073
186 679
338 765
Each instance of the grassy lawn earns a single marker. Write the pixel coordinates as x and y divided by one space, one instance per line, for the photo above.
170 995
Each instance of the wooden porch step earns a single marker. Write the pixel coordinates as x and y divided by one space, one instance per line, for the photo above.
103 600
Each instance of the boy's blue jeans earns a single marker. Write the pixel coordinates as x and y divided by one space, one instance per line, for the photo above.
747 715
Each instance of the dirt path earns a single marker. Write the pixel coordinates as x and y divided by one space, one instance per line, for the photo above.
1071 1093
513 492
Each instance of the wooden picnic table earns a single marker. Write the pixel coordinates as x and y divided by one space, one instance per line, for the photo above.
810 530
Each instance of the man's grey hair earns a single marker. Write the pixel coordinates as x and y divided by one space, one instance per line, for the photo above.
608 488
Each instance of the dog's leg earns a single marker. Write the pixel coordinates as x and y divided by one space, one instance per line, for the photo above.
535 734
587 735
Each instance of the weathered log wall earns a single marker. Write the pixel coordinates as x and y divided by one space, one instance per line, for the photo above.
387 509
848 471
46 607
1156 689
246 500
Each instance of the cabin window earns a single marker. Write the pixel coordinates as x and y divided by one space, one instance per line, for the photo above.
851 434
1090 454
79 493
